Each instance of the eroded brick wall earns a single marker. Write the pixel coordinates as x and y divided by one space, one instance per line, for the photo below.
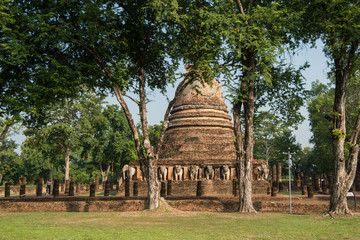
121 204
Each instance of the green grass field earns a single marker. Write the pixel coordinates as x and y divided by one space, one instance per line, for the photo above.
168 225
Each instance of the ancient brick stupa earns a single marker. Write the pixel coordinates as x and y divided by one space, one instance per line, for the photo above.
200 129
199 146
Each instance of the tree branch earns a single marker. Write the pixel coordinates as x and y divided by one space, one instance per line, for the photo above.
130 120
132 99
354 150
241 9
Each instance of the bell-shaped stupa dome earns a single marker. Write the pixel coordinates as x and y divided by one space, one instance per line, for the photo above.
200 130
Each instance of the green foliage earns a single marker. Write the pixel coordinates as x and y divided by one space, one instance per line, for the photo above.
97 134
320 107
336 133
321 115
11 167
266 127
154 133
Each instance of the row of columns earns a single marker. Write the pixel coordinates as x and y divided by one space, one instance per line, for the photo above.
55 189
166 188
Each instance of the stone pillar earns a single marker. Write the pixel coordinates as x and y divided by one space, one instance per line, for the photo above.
315 182
67 185
97 182
78 187
235 187
185 173
278 177
7 189
62 187
127 187
22 190
310 192
274 191
169 187
39 187
71 188
111 183
199 190
170 173
163 189
107 189
92 190
273 176
303 190
56 192
135 189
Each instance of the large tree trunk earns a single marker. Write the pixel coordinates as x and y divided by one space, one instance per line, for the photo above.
240 161
67 163
249 149
247 86
3 134
343 175
153 183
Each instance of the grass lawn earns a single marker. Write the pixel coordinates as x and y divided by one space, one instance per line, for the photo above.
166 224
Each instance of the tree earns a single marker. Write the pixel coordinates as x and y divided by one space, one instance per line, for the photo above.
241 42
266 127
10 163
320 109
26 84
121 148
336 24
129 41
61 128
282 144
257 34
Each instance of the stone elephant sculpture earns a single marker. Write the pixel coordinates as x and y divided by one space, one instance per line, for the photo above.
178 172
209 172
225 172
128 172
162 172
263 172
193 172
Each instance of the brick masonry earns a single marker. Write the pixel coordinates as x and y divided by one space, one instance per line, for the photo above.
262 203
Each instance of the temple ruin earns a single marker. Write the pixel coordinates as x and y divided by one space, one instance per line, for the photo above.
199 146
